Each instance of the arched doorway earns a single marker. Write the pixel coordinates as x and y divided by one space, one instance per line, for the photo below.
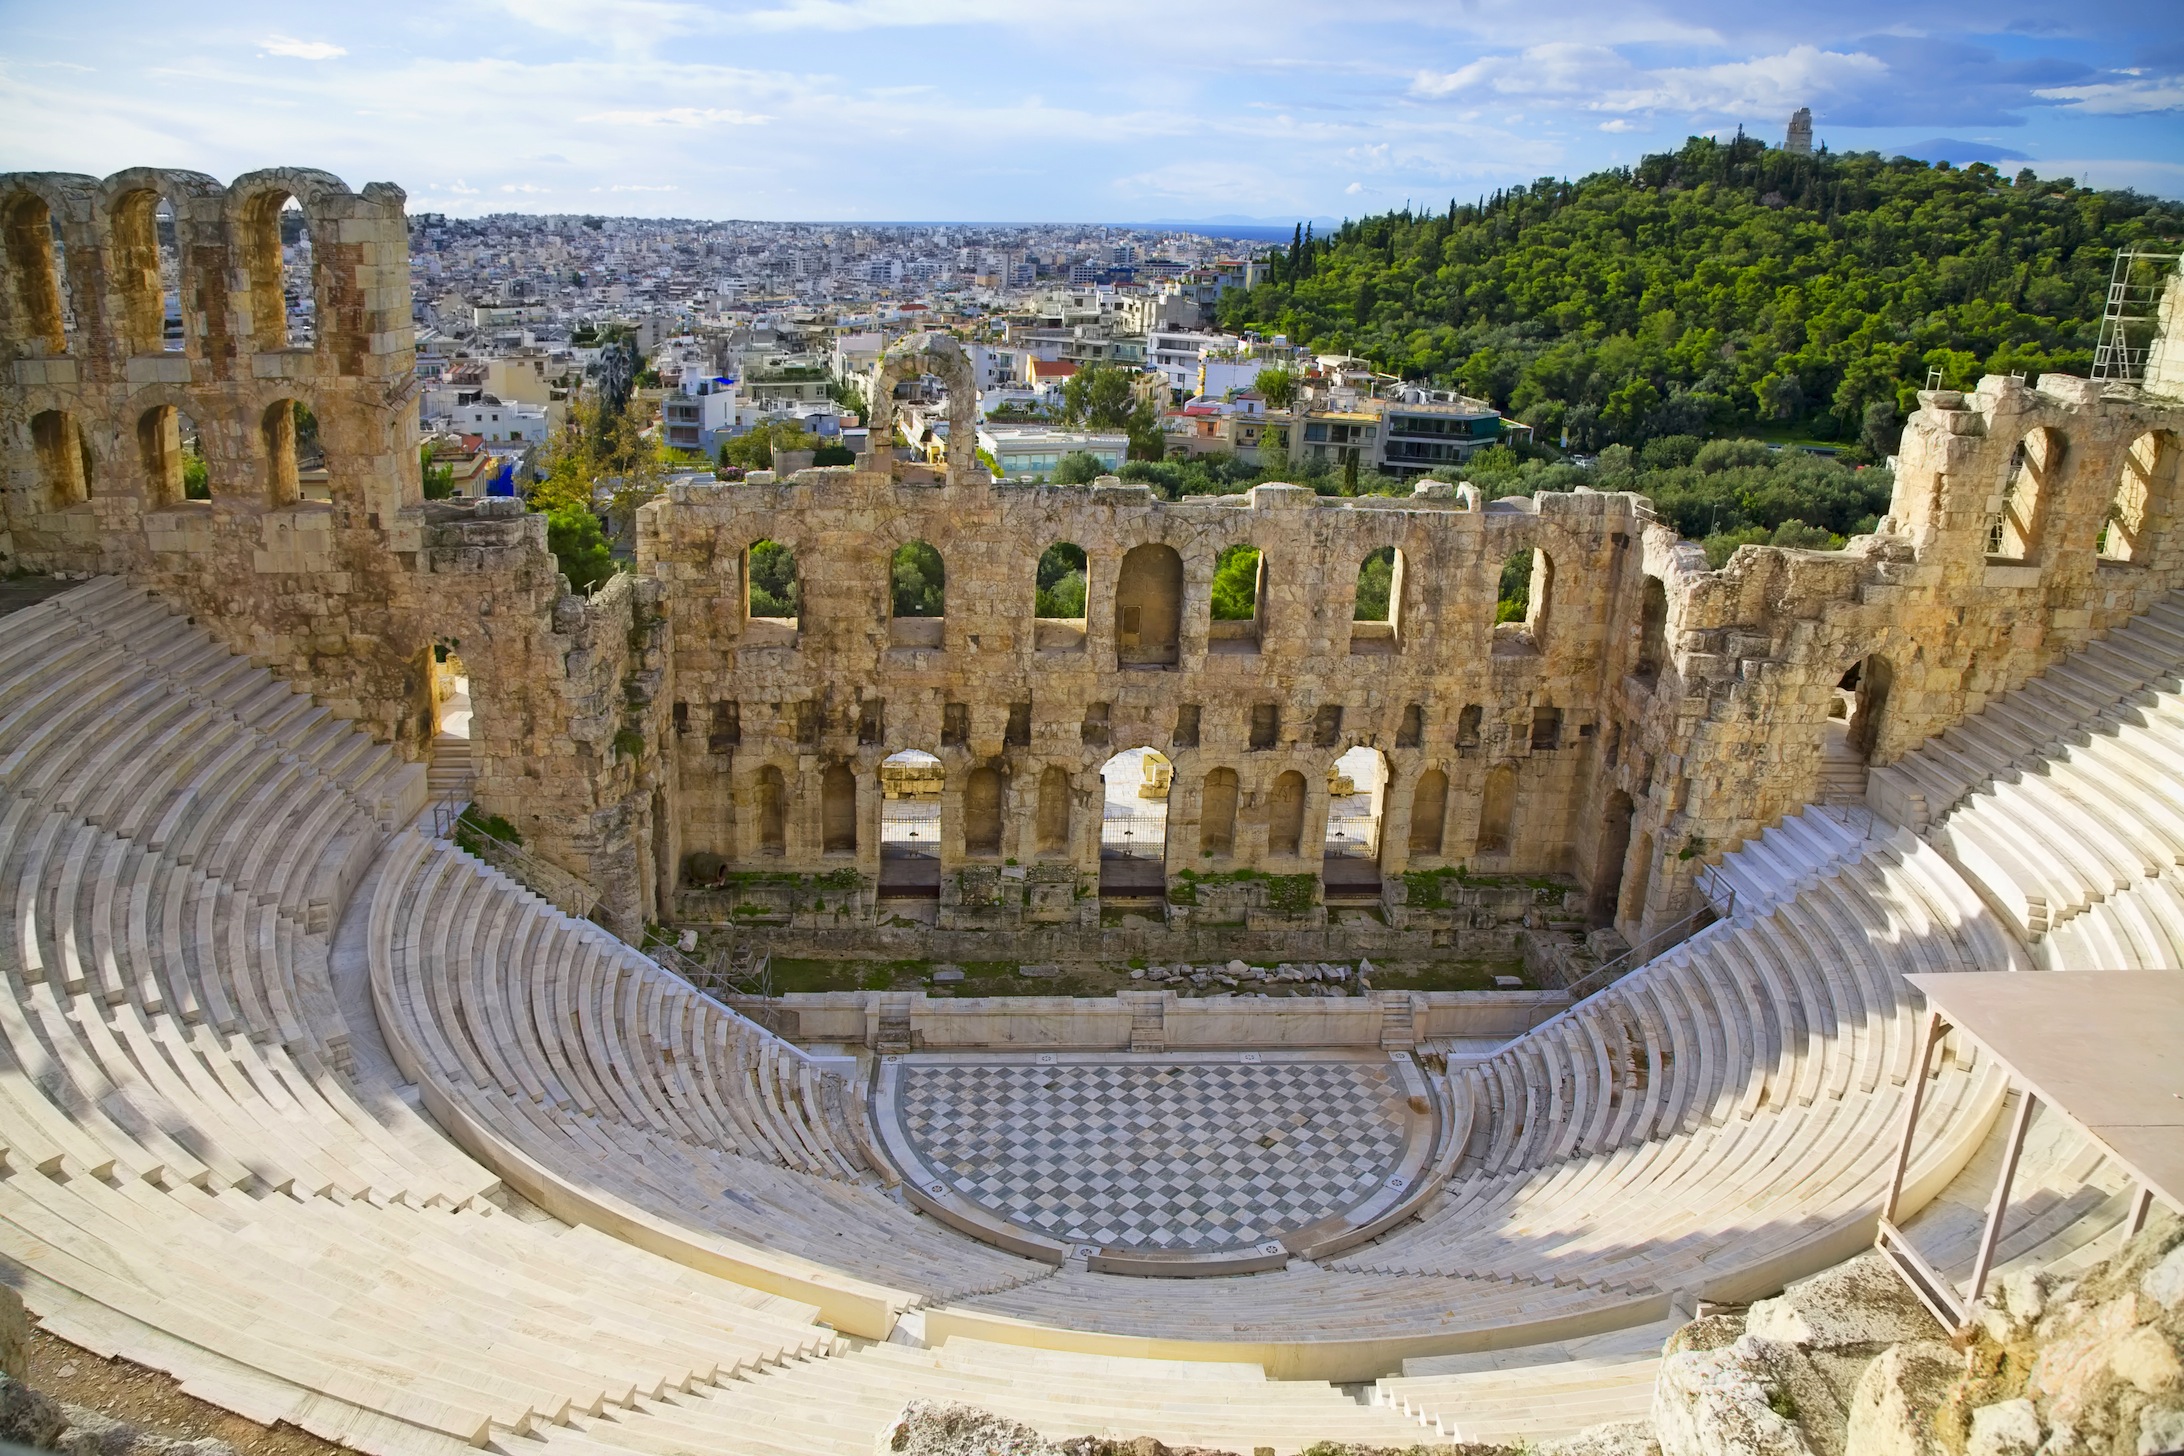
1357 789
1607 876
1853 729
1134 787
910 786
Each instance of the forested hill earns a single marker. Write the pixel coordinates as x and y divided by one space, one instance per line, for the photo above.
1719 287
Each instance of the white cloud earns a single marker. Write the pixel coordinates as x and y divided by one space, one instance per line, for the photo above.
1354 189
1599 78
679 116
2135 97
302 50
1620 124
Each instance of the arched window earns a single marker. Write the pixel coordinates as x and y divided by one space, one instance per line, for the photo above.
39 266
2013 531
282 268
918 595
1217 813
174 458
770 810
1238 615
64 459
1429 813
772 590
1652 629
838 810
148 264
1149 607
1285 814
2124 534
910 788
1058 599
1378 605
1058 593
1526 595
1052 828
1498 810
286 431
982 811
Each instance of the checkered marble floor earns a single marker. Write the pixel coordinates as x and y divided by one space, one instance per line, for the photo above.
1190 1155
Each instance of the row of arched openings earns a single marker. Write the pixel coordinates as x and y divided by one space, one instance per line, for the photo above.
2016 526
172 458
151 262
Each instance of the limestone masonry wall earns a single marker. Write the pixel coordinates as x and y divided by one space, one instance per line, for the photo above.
1646 716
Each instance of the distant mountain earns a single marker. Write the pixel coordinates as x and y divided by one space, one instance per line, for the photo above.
1233 225
1949 149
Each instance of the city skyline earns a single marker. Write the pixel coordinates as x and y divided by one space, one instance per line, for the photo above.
974 111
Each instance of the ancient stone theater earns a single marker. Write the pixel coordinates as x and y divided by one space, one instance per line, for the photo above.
415 1139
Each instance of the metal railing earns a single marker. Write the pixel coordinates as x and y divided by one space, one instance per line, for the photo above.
730 970
1134 836
1667 938
567 892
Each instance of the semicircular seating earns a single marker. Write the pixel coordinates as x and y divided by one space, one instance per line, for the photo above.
214 1167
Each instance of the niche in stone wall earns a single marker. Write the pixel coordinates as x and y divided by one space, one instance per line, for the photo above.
1411 732
1217 813
1149 607
1429 813
1285 814
175 469
918 595
64 459
1051 825
1374 616
982 810
838 810
1239 592
2126 534
1058 599
1498 810
770 811
1607 877
1468 723
38 263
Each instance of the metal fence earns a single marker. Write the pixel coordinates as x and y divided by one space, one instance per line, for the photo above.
1134 836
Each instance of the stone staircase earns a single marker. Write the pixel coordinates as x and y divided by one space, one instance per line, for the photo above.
451 771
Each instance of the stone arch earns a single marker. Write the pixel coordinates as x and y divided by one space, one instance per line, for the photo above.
940 354
1236 605
1870 682
1652 628
1354 819
1376 610
1525 594
1149 607
37 270
2013 531
256 201
1429 813
770 811
1217 812
838 810
2127 533
141 259
984 810
1498 809
64 459
1285 814
1051 824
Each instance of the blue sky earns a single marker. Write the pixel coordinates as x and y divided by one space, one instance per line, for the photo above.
1121 110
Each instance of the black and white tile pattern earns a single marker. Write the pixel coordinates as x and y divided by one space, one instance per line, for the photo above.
1193 1155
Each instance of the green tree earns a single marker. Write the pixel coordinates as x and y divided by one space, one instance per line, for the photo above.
775 590
1061 589
573 535
1078 467
1277 386
1099 397
754 449
920 581
1236 584
196 475
439 480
